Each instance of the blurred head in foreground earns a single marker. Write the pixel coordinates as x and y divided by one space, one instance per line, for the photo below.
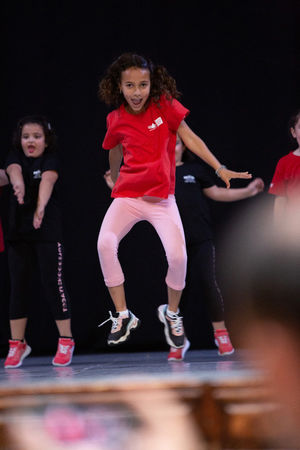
262 276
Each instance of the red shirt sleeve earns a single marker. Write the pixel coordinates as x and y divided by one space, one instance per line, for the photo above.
278 185
111 138
173 111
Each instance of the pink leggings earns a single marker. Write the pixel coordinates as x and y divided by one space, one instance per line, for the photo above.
122 215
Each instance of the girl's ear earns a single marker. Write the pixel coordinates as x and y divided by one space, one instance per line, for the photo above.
293 132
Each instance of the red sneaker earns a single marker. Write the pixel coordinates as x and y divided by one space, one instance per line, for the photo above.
177 354
222 341
64 352
18 350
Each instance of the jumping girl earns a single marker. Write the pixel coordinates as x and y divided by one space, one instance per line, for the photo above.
142 131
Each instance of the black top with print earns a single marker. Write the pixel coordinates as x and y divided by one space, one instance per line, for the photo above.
20 220
191 179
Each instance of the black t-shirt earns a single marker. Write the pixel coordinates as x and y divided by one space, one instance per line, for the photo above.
20 220
191 178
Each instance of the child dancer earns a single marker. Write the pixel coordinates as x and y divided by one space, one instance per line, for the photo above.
286 180
142 130
193 184
34 233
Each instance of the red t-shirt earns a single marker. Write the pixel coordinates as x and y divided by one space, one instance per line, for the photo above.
286 179
148 141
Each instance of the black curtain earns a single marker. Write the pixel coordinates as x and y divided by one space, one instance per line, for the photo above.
237 65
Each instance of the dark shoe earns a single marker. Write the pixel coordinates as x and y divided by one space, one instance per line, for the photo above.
174 330
121 327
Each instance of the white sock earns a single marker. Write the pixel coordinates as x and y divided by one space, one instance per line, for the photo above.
124 313
171 313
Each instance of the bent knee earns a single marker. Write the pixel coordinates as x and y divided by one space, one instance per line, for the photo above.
107 242
177 259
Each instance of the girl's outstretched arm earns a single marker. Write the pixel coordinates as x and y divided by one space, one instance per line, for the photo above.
197 146
14 171
3 178
48 180
115 159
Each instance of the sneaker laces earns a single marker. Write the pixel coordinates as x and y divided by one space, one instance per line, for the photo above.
113 319
176 323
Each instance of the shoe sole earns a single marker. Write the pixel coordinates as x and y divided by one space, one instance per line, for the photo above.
185 349
66 364
25 354
132 325
162 318
225 353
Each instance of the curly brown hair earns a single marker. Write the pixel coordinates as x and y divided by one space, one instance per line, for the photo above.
161 81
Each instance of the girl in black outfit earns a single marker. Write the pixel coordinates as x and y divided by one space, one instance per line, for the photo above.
193 184
34 234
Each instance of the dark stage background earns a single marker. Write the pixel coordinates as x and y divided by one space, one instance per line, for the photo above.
237 65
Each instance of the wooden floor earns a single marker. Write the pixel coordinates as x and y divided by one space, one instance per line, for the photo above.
137 401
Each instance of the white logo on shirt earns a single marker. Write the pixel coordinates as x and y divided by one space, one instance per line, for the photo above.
37 174
189 179
157 122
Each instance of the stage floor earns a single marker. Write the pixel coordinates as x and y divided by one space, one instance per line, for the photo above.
200 366
139 393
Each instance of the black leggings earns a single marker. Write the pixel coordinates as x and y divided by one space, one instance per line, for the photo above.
22 259
201 279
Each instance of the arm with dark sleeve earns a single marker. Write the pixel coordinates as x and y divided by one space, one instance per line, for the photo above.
13 169
49 178
231 195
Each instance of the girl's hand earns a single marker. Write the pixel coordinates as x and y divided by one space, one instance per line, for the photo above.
256 186
38 217
19 191
108 179
226 175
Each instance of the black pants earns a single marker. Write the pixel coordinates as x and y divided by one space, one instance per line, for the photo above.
47 257
201 283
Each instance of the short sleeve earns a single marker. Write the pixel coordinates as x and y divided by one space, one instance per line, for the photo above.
203 176
13 157
50 162
277 186
173 111
111 138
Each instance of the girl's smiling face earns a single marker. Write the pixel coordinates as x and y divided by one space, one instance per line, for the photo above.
135 87
33 140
